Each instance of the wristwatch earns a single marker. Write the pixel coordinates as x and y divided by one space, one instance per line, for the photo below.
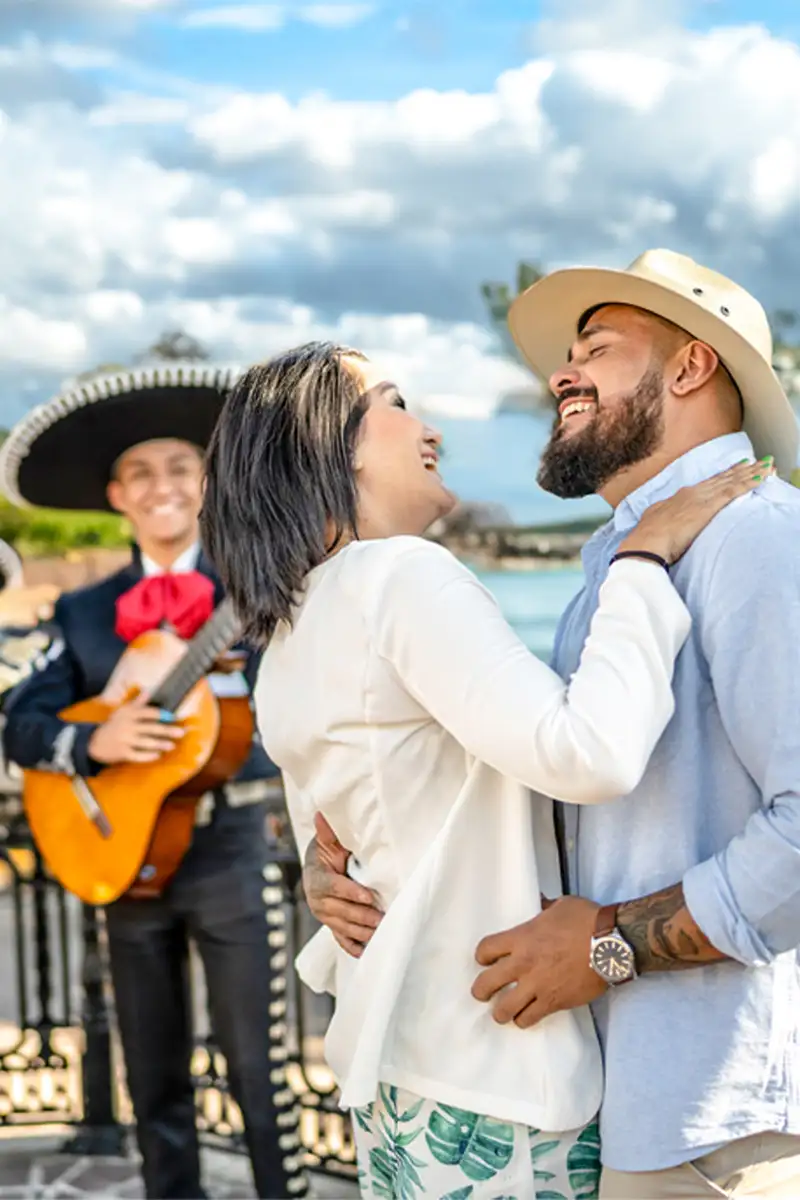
610 955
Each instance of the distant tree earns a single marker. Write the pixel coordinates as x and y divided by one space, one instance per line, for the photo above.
174 345
498 298
785 324
106 368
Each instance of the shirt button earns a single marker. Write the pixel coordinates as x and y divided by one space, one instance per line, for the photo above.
571 844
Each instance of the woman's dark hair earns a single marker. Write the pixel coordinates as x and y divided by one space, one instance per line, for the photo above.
279 474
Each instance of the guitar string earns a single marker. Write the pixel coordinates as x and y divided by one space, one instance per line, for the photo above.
191 667
218 633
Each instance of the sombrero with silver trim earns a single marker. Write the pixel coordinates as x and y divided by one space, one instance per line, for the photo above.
10 566
544 322
62 453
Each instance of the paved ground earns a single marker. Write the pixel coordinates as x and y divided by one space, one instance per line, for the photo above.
33 1169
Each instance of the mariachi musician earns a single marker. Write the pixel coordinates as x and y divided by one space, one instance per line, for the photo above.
133 442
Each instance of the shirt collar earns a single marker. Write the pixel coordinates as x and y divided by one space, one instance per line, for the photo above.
693 467
183 563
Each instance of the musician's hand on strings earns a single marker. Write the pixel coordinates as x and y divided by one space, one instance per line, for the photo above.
135 733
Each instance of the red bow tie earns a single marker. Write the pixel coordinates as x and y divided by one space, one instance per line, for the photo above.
184 602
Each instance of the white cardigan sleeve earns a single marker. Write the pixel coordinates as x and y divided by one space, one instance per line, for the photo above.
316 962
301 815
585 742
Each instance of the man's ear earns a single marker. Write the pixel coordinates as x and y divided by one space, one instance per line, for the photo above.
114 494
696 364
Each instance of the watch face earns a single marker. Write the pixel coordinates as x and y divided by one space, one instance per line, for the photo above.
612 959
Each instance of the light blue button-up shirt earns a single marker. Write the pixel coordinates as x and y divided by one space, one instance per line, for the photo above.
697 1058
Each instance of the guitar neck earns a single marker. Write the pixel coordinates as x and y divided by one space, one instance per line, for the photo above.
219 632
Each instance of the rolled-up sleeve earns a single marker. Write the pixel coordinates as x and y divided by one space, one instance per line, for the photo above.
746 899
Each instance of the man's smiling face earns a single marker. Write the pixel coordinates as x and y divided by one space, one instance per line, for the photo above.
610 401
157 485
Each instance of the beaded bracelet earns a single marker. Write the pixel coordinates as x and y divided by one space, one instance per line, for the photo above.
646 554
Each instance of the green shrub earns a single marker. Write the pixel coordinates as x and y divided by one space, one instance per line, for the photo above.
40 531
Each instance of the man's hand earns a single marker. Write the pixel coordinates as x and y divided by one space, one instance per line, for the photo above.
351 912
544 964
134 733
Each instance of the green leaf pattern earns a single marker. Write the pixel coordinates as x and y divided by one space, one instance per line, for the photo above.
415 1149
480 1146
395 1170
583 1163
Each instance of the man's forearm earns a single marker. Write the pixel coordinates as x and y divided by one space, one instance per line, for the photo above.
663 934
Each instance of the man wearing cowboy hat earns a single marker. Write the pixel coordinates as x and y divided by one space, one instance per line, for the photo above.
132 442
662 377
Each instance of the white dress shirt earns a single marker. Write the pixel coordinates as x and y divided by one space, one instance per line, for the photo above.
403 707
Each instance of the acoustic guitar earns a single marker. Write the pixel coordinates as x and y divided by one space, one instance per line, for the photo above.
126 829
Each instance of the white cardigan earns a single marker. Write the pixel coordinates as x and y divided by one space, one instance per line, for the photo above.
402 706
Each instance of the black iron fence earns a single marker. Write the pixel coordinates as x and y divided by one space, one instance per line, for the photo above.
60 1062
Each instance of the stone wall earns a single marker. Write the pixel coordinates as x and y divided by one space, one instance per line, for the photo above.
76 569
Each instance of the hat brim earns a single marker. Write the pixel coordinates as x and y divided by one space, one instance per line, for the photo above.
10 566
62 455
544 320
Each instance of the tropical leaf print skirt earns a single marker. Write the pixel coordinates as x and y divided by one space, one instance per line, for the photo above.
409 1148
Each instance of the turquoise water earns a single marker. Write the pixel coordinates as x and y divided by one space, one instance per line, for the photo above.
496 460
533 601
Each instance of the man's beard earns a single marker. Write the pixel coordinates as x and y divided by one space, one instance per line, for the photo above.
580 464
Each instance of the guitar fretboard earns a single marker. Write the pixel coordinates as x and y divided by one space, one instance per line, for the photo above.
219 632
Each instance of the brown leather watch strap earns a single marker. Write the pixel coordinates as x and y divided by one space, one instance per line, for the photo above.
606 920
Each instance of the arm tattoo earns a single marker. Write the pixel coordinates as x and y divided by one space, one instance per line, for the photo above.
663 934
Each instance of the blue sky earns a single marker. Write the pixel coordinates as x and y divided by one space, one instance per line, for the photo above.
395 48
260 173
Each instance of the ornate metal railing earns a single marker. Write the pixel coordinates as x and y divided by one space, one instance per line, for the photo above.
60 1064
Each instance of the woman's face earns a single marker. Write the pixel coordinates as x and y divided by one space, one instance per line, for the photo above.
400 490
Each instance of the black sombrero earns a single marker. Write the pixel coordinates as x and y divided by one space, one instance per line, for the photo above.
62 453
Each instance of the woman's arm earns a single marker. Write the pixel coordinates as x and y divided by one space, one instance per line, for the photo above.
584 742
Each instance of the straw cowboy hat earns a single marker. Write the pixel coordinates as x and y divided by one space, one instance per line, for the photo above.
62 453
544 322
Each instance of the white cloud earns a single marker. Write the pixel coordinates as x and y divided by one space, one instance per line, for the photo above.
134 108
636 80
27 339
82 58
48 13
776 177
256 220
336 16
109 308
249 18
267 18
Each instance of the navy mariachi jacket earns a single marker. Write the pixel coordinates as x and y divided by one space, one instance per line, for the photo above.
83 654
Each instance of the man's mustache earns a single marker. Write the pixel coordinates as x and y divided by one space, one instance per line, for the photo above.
577 393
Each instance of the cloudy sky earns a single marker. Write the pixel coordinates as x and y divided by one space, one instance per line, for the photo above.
261 173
